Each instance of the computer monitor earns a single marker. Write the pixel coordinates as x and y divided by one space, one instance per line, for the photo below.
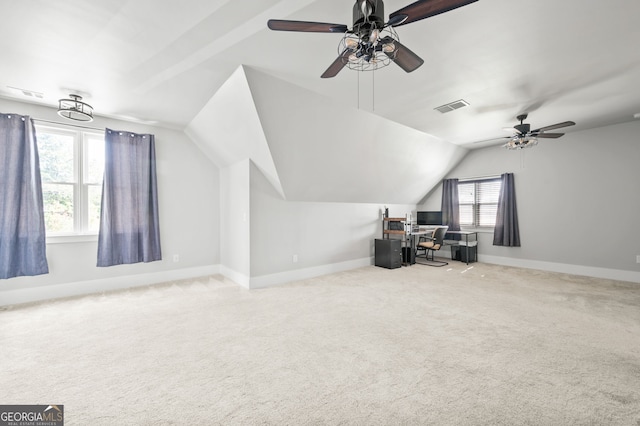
429 218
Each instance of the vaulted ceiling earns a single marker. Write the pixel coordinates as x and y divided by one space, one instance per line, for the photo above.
360 158
160 61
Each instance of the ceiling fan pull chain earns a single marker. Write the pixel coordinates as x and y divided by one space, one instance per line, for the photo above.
358 90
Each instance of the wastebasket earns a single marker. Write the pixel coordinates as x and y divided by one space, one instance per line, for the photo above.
459 252
455 252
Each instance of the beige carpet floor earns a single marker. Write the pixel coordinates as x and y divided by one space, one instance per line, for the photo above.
485 345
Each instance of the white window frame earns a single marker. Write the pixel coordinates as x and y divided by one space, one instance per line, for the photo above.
81 137
476 202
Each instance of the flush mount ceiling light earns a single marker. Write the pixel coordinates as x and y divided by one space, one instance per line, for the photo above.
74 109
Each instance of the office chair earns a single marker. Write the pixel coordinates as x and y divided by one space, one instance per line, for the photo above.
430 244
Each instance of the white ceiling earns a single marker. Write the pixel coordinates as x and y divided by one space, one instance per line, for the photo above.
161 61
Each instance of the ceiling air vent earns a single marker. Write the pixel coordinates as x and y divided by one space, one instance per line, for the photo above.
27 92
452 106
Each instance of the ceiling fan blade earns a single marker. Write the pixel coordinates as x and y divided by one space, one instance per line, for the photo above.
548 135
555 126
424 9
511 130
497 139
405 58
397 20
305 26
338 64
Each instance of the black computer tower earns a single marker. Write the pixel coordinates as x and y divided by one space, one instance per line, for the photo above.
388 253
408 255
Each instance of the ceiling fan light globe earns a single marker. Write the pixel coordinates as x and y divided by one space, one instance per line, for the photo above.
521 142
513 144
351 43
388 47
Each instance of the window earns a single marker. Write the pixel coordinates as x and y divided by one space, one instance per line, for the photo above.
479 202
71 166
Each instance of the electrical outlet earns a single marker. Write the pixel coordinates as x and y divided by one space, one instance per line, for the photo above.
295 258
176 258
638 258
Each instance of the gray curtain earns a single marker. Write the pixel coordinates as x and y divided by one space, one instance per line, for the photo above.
129 223
22 231
450 204
506 231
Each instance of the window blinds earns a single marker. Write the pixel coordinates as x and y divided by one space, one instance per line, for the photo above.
479 202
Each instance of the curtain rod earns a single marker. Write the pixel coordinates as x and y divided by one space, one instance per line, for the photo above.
479 177
67 124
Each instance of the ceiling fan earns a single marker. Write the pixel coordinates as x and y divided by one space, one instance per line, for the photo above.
524 137
371 43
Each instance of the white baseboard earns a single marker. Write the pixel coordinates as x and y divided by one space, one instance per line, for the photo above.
235 276
79 288
302 274
589 271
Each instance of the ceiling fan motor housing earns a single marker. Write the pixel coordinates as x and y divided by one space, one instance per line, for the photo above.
523 128
367 15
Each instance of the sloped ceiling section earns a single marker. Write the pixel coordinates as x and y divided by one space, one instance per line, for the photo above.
327 152
228 130
311 148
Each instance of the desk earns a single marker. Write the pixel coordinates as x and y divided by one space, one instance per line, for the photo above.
409 240
466 242
402 227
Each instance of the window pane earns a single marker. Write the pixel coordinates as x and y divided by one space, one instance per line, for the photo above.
466 193
95 159
72 165
479 202
95 195
56 157
58 207
487 214
488 192
466 214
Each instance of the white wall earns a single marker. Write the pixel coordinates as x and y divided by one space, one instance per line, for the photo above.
228 128
188 191
326 237
235 237
577 198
